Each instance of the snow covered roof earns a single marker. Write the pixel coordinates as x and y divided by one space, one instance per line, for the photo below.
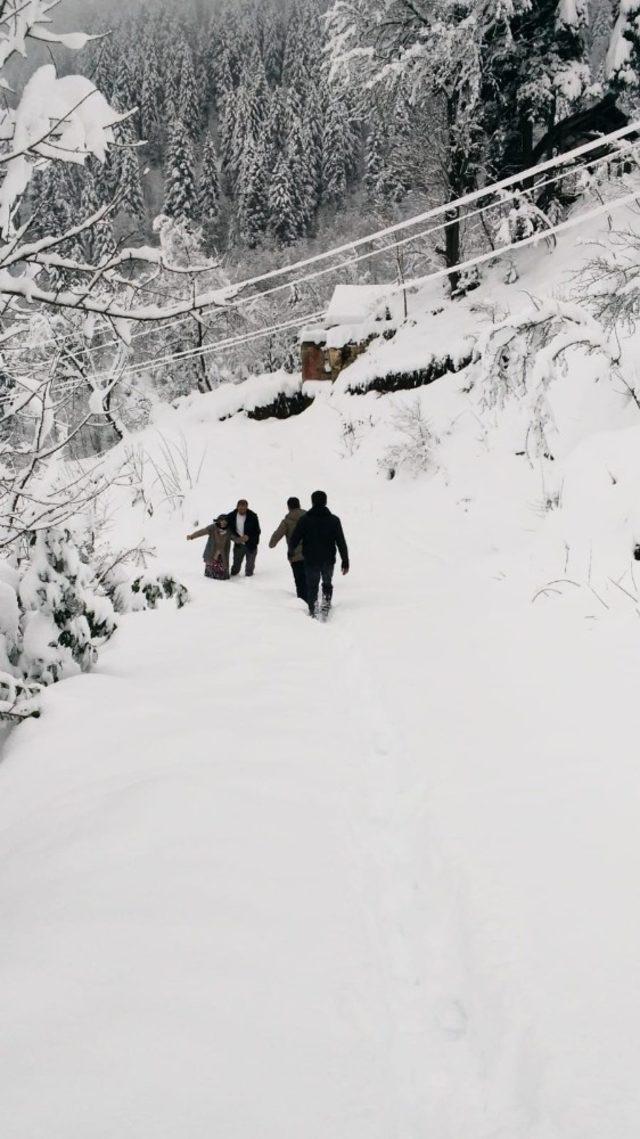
355 313
355 304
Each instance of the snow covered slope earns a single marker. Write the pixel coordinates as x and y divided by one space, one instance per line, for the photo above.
261 877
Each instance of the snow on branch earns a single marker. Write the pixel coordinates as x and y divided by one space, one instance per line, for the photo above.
521 355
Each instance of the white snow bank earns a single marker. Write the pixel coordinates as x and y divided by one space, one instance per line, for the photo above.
234 399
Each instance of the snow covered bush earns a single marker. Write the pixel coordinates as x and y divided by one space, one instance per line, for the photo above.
158 588
65 616
58 606
53 618
414 450
132 593
521 356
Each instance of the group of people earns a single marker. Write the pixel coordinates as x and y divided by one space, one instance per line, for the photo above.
313 537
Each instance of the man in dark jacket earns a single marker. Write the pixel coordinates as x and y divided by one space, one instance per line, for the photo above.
244 524
320 534
296 560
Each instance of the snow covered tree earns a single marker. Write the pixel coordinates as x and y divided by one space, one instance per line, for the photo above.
180 200
623 56
534 78
123 96
374 157
284 218
257 94
98 242
209 192
312 144
334 152
253 203
272 49
439 58
188 103
131 199
65 616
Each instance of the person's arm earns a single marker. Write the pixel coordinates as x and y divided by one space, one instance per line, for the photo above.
205 532
342 546
278 535
258 530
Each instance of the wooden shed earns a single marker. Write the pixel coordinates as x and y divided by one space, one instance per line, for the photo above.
356 315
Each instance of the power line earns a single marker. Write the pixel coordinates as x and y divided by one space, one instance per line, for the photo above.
341 267
438 274
454 205
571 223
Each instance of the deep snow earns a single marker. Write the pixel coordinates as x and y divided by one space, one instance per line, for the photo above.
264 877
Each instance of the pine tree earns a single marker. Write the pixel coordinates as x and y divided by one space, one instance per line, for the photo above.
283 216
532 78
98 242
396 180
172 70
223 78
203 92
151 108
312 143
130 183
374 158
334 156
300 183
188 105
257 90
105 68
292 50
180 200
208 205
243 130
123 95
274 130
228 117
253 203
272 50
623 56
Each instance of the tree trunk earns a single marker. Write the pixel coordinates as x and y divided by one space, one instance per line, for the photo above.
452 245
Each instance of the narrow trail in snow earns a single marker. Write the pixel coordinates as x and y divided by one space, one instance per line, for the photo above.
229 856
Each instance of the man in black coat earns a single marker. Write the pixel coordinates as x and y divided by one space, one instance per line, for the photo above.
244 524
320 533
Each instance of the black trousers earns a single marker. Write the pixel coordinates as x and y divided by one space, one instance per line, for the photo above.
300 577
241 552
315 575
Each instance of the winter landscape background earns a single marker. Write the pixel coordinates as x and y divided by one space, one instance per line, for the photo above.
262 875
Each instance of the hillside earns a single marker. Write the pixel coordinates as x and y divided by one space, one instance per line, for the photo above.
375 878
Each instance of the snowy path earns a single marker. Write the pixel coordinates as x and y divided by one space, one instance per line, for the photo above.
265 879
242 946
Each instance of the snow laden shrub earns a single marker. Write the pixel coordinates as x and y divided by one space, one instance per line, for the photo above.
58 605
18 697
415 445
145 591
522 355
126 580
155 589
53 618
65 615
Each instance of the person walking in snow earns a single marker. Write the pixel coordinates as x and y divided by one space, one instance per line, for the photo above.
320 534
216 551
285 530
244 524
